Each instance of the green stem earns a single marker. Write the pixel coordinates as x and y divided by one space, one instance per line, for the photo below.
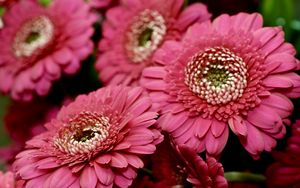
244 177
147 171
2 11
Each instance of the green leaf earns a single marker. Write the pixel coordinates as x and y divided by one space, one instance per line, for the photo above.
278 12
4 139
244 176
45 2
2 11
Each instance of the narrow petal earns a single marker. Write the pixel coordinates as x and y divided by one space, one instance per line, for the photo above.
105 175
88 178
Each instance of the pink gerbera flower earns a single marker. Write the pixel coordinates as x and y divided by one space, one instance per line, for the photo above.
96 141
135 29
182 167
228 73
286 171
39 43
201 173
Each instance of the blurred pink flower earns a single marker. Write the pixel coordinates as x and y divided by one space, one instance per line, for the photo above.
229 73
286 171
39 43
135 29
7 180
96 141
22 124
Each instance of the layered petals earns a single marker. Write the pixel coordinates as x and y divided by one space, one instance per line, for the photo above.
96 141
39 44
231 73
134 30
285 172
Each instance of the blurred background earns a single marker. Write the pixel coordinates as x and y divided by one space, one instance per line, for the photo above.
283 13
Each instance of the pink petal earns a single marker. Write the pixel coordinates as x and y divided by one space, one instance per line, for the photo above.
165 54
217 128
238 126
140 106
203 126
277 81
280 103
62 177
63 56
215 146
155 72
105 175
222 23
254 143
134 160
263 117
37 71
118 160
147 149
103 159
170 122
88 178
196 12
281 62
154 84
47 163
121 181
247 22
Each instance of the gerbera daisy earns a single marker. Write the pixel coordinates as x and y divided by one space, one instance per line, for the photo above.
228 73
135 29
202 173
181 166
39 43
96 141
286 171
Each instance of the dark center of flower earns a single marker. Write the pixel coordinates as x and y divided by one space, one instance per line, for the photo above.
216 75
83 136
35 34
145 34
83 133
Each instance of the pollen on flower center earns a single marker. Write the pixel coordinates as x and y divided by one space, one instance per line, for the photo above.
145 34
33 35
216 75
83 133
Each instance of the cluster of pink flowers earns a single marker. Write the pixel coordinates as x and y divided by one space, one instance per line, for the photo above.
175 84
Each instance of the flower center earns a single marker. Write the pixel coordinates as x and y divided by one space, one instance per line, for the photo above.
34 35
145 35
216 75
83 133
